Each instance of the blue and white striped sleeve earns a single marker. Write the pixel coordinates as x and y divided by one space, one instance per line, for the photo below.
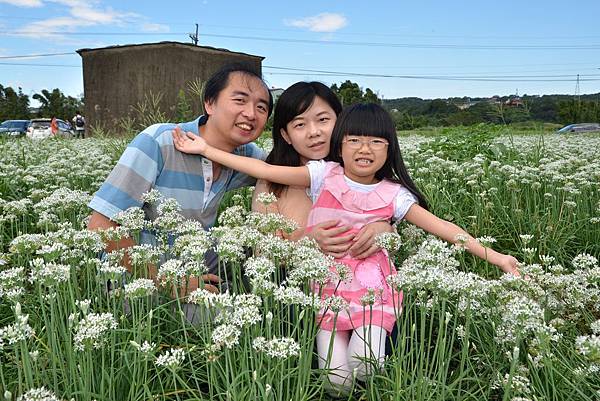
134 174
240 180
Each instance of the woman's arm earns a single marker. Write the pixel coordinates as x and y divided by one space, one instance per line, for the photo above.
191 143
450 232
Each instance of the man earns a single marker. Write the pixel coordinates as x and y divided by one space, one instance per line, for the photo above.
238 104
79 124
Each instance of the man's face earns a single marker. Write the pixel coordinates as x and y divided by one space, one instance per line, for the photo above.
241 109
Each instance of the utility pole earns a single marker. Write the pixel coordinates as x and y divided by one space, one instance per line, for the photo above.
578 99
194 37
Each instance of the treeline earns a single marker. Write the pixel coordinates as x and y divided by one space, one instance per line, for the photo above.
408 113
15 105
412 112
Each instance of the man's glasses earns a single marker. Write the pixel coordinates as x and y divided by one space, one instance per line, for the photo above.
374 144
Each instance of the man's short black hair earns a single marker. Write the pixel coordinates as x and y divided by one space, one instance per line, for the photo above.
219 80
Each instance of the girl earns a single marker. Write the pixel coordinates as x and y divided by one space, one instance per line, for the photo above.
364 181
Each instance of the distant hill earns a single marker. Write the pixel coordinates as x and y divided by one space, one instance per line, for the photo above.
414 112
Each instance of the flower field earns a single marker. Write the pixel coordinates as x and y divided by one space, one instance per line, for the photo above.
74 326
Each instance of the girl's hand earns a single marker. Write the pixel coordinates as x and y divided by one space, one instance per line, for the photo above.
509 264
327 235
364 242
188 142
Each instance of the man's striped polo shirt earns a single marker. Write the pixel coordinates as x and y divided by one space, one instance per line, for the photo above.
151 161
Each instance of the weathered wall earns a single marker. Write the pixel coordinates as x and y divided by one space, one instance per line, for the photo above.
118 78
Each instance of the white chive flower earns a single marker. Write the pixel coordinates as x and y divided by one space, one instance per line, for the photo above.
38 394
280 348
391 242
171 359
11 283
18 331
138 288
92 330
227 335
266 198
335 303
48 274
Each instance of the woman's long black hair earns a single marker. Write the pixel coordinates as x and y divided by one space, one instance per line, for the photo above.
369 119
294 101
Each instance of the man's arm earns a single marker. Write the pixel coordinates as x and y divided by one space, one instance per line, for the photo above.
100 222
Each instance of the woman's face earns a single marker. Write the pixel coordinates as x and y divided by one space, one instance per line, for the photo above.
309 133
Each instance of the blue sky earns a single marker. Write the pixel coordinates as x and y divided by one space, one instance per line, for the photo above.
425 48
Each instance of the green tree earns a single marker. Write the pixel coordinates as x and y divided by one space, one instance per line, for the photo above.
371 97
13 105
350 93
56 104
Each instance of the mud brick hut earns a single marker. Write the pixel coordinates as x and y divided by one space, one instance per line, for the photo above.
118 79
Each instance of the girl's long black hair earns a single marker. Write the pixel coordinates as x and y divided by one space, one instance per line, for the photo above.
294 101
369 119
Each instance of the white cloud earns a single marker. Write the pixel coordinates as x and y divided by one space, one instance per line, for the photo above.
149 27
23 3
82 14
324 22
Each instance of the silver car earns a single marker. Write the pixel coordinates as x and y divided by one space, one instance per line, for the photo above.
40 128
581 128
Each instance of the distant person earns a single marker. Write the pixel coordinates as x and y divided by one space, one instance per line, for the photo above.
79 124
54 126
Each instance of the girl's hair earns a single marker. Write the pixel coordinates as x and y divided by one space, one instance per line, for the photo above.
368 119
294 101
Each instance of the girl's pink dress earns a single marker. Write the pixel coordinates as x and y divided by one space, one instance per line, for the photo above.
338 201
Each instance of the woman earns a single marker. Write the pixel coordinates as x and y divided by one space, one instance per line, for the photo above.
303 121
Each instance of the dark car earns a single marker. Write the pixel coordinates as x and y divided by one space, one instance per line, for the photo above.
581 128
14 128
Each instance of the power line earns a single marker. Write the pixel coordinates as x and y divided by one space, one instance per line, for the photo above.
298 71
37 55
428 78
371 66
41 65
324 42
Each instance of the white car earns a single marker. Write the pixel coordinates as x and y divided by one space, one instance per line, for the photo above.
40 129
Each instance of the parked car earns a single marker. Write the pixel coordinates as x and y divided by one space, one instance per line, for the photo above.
40 128
14 128
583 127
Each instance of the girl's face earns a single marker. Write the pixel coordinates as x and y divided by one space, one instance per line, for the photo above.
309 133
363 156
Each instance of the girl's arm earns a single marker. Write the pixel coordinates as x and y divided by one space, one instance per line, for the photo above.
449 232
191 143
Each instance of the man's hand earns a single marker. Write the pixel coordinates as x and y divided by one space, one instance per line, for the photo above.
188 142
364 242
205 281
329 238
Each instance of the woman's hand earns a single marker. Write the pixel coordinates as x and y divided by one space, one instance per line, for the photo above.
364 241
509 264
329 238
188 142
